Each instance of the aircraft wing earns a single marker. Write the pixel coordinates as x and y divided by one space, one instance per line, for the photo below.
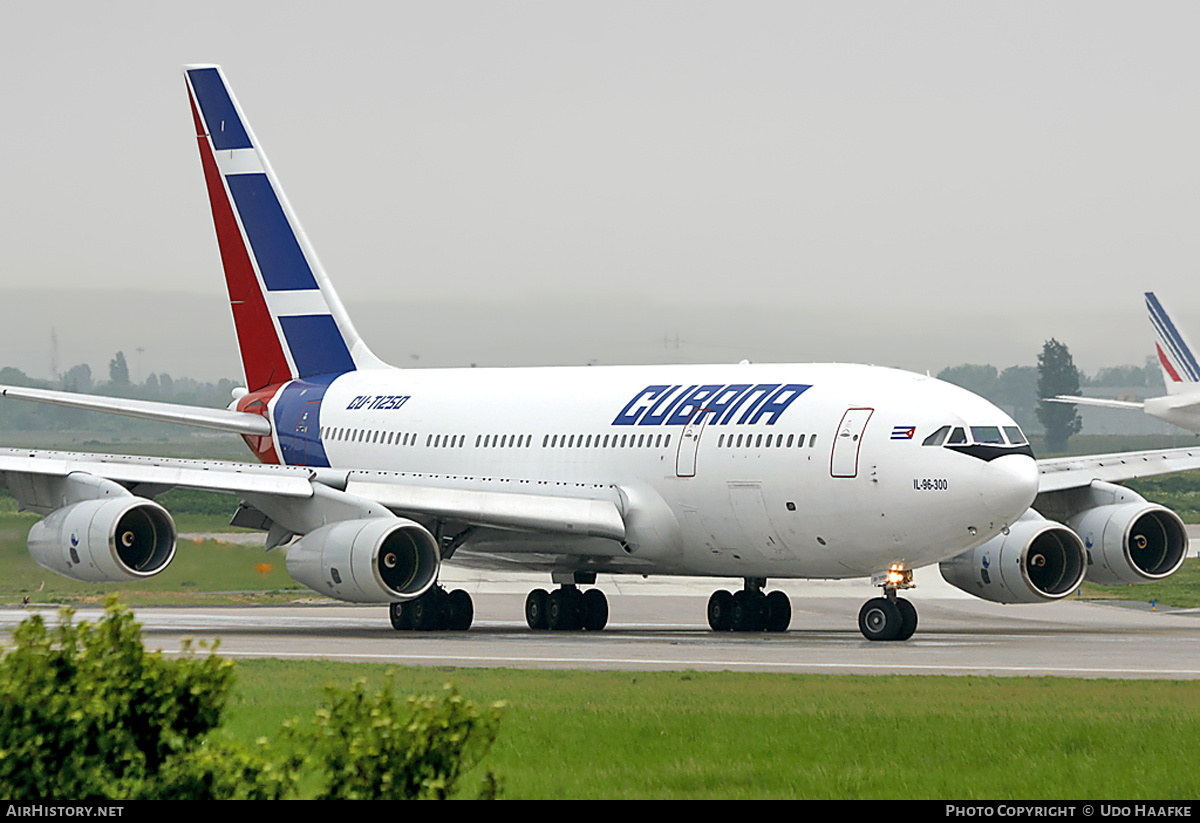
1061 473
580 516
1095 401
1180 409
26 471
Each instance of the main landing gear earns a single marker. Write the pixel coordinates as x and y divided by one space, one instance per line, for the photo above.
568 608
749 610
889 617
436 610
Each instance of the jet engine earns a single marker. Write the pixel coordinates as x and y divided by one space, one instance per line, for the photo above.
1135 542
376 560
1037 560
105 541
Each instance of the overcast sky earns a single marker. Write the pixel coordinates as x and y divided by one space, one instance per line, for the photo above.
915 184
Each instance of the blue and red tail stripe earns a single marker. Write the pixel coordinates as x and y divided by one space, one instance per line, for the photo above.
290 323
1174 353
262 354
294 336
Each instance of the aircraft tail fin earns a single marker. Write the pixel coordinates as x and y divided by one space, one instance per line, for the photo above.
289 320
1175 355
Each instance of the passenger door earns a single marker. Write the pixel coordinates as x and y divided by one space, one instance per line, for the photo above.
689 444
844 461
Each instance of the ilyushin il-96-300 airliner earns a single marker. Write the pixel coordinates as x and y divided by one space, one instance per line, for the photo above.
373 477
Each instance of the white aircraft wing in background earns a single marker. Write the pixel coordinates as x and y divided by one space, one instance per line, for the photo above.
1181 374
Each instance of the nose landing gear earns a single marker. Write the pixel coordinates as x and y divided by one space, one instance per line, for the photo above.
889 617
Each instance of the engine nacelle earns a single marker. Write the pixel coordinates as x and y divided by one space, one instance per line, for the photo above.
1137 542
376 560
105 541
1038 560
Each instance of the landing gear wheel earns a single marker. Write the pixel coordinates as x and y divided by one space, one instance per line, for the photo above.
908 618
720 611
426 610
880 619
400 617
535 609
459 611
563 609
778 612
748 611
595 610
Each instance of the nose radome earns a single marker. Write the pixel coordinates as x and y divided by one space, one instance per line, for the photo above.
1010 484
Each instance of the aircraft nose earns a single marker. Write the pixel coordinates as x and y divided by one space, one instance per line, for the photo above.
1010 485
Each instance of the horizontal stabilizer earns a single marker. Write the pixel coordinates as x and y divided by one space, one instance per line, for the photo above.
223 420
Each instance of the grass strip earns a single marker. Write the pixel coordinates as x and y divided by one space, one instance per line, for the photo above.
700 735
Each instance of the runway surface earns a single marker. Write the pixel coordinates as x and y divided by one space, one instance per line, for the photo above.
662 627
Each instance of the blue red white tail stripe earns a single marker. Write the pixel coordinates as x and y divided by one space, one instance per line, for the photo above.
290 323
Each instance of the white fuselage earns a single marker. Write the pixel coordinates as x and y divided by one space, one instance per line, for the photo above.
766 471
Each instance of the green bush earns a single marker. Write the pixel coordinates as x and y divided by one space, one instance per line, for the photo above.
376 746
87 713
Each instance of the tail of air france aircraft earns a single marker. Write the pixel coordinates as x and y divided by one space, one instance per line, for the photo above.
290 323
1181 372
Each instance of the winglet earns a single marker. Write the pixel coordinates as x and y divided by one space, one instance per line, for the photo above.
1175 354
289 320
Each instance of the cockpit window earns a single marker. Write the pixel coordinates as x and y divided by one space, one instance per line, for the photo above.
1015 436
937 438
987 434
977 435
